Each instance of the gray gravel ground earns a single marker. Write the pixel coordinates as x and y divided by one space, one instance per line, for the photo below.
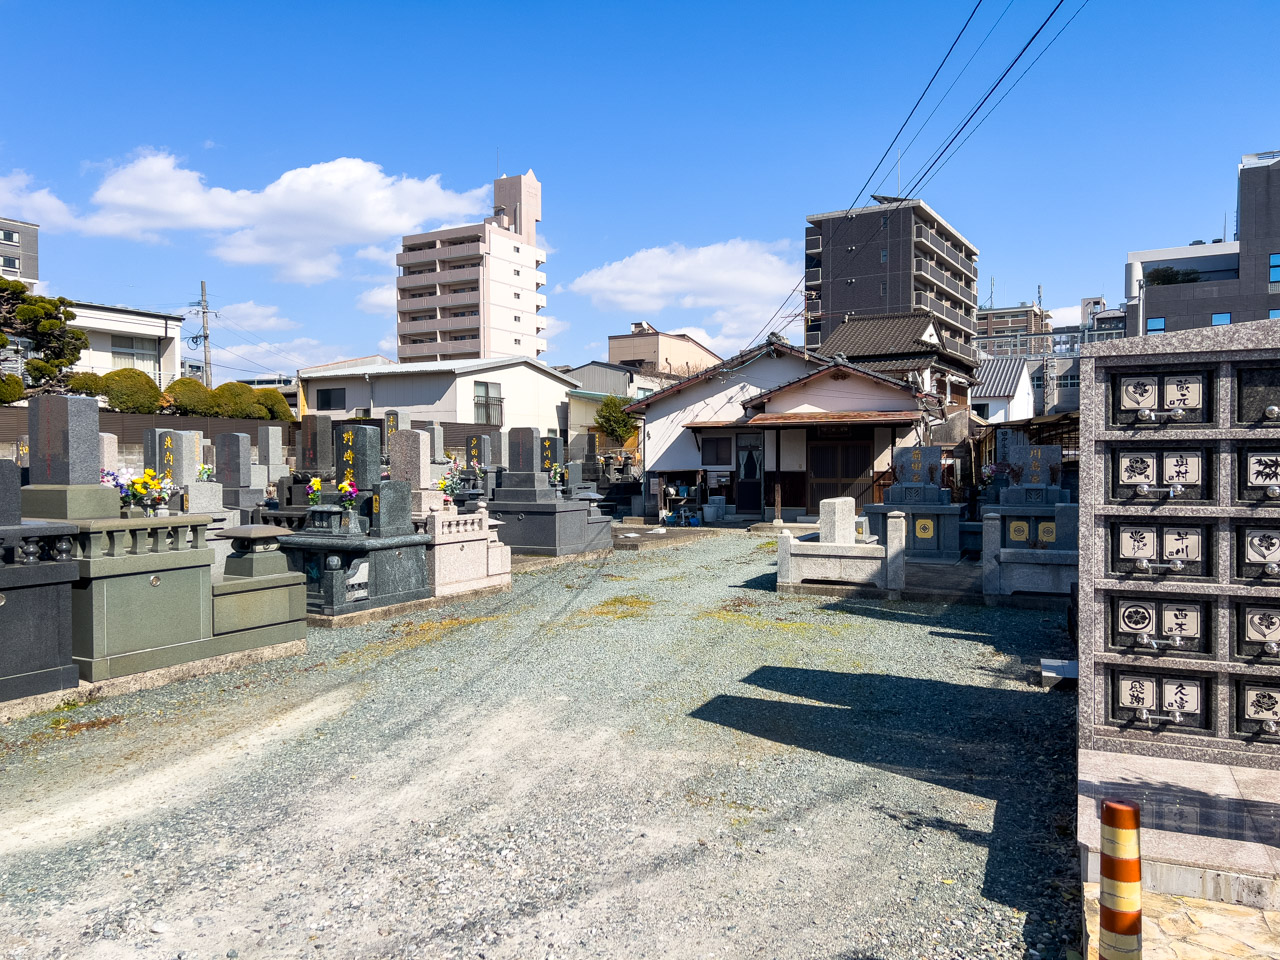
651 756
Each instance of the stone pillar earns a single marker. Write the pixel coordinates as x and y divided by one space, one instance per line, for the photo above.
359 456
991 537
271 449
784 556
895 552
64 440
232 470
837 520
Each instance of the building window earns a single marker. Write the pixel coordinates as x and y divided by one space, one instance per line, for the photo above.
8 236
515 248
884 254
1037 382
1275 268
516 318
884 288
517 340
1273 315
884 221
138 353
1221 319
11 262
516 272
332 399
982 410
516 295
1068 381
1155 324
489 404
717 451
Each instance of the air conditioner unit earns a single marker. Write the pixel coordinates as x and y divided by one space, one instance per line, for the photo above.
361 413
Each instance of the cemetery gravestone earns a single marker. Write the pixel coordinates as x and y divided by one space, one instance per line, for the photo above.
109 451
390 425
552 453
315 445
24 451
359 456
65 473
232 470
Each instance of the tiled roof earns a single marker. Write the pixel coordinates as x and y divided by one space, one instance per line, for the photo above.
998 377
876 336
836 416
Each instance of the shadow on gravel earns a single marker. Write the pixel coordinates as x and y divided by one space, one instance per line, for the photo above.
1013 747
767 582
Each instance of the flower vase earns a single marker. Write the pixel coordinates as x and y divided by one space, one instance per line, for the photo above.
162 510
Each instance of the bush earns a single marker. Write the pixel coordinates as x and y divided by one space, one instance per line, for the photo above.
258 412
10 388
131 391
39 371
277 406
233 399
191 398
90 384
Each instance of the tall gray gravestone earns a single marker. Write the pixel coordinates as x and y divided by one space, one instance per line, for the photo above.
390 426
436 433
591 447
315 445
551 450
232 470
522 449
410 455
64 440
359 456
479 449
271 449
918 464
153 449
109 451
183 451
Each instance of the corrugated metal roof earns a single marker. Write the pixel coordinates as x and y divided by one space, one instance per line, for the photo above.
998 377
435 366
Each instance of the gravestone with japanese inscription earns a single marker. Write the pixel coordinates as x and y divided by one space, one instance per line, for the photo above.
1179 607
315 446
535 518
410 457
933 521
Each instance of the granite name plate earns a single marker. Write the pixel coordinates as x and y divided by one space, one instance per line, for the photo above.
1257 391
1258 475
1257 551
1256 625
1189 392
1173 702
1161 550
1159 471
1176 626
1257 708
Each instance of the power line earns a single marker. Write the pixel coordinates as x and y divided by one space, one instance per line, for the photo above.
1012 87
874 169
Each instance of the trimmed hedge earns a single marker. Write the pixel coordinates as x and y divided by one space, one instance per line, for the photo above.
11 390
90 384
131 391
273 401
233 399
191 398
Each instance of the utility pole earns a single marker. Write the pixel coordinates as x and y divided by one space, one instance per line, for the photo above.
204 332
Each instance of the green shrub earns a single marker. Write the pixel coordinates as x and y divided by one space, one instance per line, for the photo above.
39 371
258 412
10 388
277 406
90 384
131 391
233 399
191 398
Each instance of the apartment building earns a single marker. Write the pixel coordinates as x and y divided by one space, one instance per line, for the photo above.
897 256
649 349
122 337
1220 281
473 292
19 251
1013 331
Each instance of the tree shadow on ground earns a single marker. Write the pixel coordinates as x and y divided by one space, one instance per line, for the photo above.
1013 747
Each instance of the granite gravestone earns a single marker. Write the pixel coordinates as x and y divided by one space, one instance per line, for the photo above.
918 464
1008 441
109 451
390 510
479 449
64 440
390 425
271 450
10 498
24 451
152 450
522 450
436 433
232 470
590 454
315 445
359 456
1037 464
551 452
410 455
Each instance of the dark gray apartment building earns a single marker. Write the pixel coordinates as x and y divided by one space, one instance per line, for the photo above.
897 256
1220 281
19 251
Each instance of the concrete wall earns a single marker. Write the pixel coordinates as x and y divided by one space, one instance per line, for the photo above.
825 394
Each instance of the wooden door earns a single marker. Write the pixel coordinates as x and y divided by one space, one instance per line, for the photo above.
840 468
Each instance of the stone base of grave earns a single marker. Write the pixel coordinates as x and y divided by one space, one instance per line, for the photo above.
551 528
1051 568
84 691
35 611
422 502
809 566
394 610
465 554
932 530
351 574
70 502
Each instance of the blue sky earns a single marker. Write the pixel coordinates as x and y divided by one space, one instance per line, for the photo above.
278 151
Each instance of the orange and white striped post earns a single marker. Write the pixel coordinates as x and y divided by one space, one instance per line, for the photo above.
1120 890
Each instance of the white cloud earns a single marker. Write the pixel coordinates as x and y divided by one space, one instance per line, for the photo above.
1061 316
552 326
254 316
389 345
383 255
245 361
741 282
379 300
297 223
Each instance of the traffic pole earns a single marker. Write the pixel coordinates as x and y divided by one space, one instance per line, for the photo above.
1120 890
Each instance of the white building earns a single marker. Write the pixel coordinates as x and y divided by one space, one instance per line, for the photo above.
472 292
20 251
121 337
1004 391
508 392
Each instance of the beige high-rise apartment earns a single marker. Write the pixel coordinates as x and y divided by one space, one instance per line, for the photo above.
473 291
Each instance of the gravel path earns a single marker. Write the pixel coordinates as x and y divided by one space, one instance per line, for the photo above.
650 756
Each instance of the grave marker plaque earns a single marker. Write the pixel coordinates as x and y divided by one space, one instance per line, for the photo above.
24 450
359 453
479 449
918 464
315 445
523 450
551 453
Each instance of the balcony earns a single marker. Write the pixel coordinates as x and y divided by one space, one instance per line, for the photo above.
445 349
934 242
539 301
539 279
942 279
812 308
438 300
444 323
959 349
936 306
813 245
488 411
438 276
458 252
813 277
